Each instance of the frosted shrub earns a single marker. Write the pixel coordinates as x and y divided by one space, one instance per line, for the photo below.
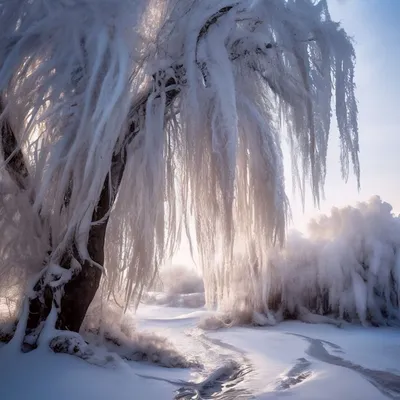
346 269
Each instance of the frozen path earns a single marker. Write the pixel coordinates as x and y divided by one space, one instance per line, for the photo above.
301 360
293 359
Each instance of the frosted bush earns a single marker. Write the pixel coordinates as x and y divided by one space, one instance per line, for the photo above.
179 279
346 269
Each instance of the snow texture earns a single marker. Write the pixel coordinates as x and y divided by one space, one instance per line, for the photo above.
292 359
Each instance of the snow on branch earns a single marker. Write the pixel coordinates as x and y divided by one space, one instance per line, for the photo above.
195 92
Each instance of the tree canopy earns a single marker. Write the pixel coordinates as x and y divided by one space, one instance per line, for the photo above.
172 110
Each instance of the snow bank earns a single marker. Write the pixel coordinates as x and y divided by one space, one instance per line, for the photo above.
108 334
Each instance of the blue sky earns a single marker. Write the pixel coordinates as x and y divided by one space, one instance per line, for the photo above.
375 27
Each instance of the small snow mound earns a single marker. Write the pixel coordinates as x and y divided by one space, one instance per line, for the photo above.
235 318
179 279
177 286
189 300
71 345
141 346
109 346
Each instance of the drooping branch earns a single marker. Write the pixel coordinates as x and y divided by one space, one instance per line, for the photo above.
224 132
81 288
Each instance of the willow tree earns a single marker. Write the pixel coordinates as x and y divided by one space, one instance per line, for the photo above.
123 119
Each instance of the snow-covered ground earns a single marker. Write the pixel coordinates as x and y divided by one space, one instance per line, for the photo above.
293 359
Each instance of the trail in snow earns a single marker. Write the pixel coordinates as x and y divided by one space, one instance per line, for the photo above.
294 359
386 382
232 368
227 382
224 382
297 374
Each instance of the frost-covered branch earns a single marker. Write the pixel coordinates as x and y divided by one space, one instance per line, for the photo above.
192 96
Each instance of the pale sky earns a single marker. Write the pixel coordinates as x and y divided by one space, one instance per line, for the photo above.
375 27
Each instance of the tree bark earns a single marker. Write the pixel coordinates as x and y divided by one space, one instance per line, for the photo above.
81 289
79 292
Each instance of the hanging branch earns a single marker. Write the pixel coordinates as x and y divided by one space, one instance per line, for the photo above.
76 301
227 104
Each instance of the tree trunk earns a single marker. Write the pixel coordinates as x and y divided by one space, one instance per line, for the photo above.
79 292
81 289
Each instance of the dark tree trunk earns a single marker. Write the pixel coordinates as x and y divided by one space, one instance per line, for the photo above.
79 292
81 289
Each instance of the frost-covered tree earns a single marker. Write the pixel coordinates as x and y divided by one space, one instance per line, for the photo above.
346 270
123 119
